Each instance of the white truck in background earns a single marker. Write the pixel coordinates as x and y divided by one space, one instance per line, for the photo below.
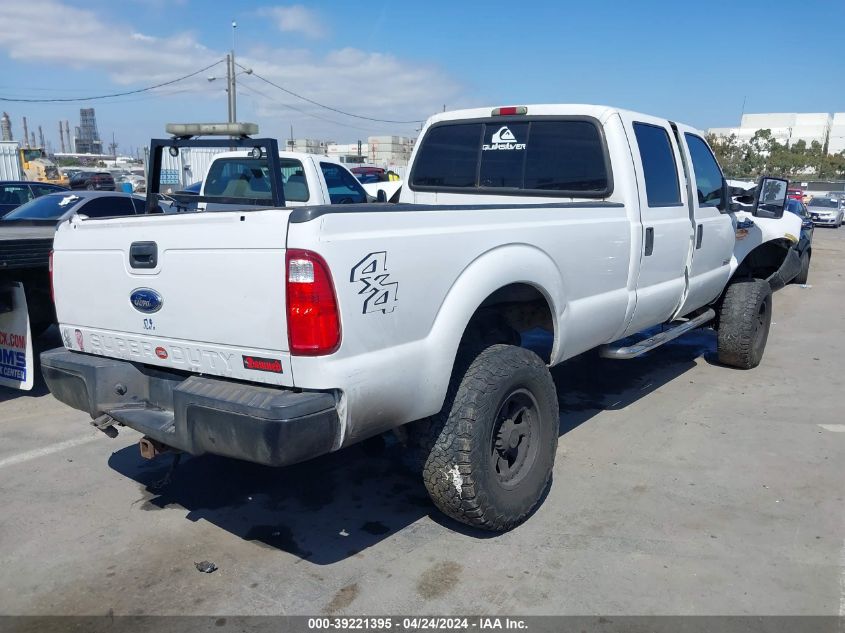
306 180
274 334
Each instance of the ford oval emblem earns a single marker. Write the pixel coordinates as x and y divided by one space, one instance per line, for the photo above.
146 300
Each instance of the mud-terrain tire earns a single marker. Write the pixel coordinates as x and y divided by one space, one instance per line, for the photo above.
491 449
801 277
744 320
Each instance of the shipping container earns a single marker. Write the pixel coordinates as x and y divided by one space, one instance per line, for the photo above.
10 161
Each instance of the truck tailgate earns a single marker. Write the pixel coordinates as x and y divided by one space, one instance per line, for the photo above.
212 302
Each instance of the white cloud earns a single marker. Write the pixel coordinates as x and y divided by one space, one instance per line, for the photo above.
373 84
297 19
80 39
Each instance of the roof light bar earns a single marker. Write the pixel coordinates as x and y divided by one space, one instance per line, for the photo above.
212 129
509 110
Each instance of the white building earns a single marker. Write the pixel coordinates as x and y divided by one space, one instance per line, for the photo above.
791 127
836 143
307 145
348 152
389 150
383 151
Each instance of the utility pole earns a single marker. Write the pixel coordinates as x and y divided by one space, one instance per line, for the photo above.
41 138
229 84
62 137
231 72
26 134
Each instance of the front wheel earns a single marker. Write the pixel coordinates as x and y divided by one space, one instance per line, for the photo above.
801 277
492 447
744 320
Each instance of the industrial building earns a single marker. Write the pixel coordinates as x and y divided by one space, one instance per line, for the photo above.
87 138
789 128
5 128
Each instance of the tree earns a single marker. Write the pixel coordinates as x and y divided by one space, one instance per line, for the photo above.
762 154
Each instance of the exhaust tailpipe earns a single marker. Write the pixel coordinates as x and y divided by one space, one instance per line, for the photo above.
150 448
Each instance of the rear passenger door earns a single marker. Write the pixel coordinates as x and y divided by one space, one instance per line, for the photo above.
665 221
715 232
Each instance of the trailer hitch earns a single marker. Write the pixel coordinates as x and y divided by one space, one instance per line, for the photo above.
105 423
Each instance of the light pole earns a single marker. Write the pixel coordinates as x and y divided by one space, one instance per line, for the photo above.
233 98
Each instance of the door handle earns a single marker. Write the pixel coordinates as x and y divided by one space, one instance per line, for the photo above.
143 255
649 241
699 236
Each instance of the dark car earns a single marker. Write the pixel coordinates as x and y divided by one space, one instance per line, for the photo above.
26 239
57 207
366 175
805 243
93 181
14 193
193 189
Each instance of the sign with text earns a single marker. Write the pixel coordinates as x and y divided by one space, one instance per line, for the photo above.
16 362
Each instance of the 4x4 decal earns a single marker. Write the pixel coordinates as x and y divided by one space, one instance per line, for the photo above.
380 295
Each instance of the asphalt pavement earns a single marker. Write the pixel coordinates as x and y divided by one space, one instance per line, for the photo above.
680 487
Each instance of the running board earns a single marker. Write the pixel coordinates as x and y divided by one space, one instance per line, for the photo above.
632 351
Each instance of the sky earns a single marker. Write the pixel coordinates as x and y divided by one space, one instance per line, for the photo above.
694 62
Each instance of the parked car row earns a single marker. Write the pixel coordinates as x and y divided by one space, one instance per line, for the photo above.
826 211
26 240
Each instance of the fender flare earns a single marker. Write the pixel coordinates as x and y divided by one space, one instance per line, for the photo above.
490 271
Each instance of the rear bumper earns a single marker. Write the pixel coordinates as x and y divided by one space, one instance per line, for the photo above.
196 414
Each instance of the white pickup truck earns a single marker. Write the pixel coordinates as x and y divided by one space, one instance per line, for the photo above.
275 335
307 180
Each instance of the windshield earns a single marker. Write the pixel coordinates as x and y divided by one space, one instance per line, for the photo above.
50 207
824 202
32 154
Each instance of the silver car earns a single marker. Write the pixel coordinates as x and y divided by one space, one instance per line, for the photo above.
826 212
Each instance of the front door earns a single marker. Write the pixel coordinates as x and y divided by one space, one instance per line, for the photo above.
715 231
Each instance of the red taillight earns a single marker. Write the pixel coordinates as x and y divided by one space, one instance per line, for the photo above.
313 319
52 292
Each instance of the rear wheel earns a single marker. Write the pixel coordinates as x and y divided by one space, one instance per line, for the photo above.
744 320
89 187
491 449
801 277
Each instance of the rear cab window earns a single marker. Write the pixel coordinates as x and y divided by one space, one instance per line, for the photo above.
542 156
246 177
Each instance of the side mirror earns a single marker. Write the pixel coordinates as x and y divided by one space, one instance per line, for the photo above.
381 196
770 200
